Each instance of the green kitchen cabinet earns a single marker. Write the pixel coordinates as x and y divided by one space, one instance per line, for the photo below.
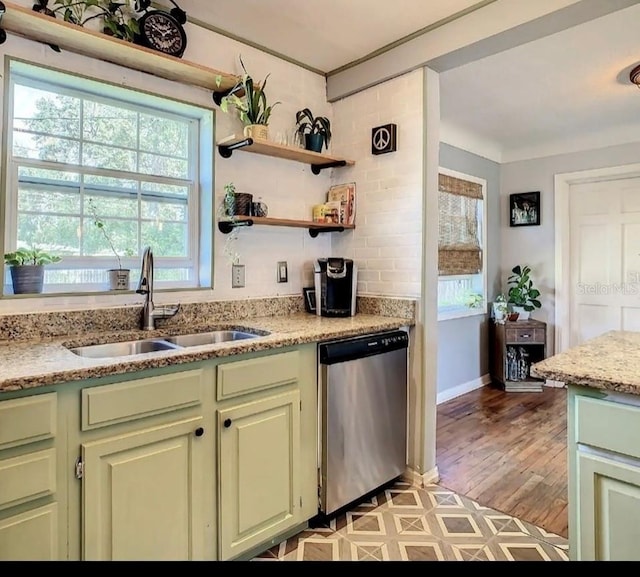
267 472
142 494
144 481
604 476
32 496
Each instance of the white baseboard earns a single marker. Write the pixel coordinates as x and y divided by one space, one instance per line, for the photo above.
421 480
467 387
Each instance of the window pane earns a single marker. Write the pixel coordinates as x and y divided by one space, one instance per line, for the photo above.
36 110
163 210
46 148
163 166
110 124
166 239
32 198
122 234
162 135
28 173
179 192
112 206
109 157
57 234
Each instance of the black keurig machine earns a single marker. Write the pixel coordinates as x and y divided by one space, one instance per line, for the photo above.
335 284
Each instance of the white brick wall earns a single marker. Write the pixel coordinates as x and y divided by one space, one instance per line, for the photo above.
386 244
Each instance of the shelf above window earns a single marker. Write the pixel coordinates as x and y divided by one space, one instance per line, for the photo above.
35 26
317 160
315 228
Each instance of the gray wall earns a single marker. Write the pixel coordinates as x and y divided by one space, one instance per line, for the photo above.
463 352
535 245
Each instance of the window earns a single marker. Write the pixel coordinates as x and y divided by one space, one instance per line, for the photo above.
462 230
75 143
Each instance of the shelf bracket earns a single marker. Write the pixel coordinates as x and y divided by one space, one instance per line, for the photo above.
219 95
3 34
316 231
226 226
226 150
316 168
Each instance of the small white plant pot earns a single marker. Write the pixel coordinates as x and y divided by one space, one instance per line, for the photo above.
119 279
523 314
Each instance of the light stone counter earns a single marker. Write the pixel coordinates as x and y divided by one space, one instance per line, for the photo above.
25 364
610 362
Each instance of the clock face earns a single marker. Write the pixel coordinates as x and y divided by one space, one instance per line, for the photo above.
162 32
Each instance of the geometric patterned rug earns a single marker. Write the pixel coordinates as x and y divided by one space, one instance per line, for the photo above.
405 522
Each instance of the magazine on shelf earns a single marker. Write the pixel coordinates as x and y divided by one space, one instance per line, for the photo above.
345 194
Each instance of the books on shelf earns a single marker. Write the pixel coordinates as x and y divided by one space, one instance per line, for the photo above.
345 195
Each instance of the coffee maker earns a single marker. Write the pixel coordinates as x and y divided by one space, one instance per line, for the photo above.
335 284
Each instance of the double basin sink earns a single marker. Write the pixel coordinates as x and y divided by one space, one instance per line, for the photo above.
138 347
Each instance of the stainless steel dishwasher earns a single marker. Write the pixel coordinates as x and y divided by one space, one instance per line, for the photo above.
363 420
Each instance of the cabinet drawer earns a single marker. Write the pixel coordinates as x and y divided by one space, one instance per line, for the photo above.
608 425
27 477
525 336
241 377
120 402
27 420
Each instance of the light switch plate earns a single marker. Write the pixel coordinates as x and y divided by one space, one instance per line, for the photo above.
282 271
237 276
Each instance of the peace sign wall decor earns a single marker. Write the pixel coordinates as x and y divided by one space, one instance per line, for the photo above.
383 139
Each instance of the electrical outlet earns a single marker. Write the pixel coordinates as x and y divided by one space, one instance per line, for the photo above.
237 276
282 272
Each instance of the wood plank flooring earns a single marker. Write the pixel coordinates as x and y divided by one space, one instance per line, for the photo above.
507 451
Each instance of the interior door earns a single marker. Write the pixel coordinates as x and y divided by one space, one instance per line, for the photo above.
605 257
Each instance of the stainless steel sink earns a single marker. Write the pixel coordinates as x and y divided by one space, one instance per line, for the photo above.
124 349
210 338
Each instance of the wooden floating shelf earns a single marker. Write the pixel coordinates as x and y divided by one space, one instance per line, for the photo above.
35 26
315 228
317 160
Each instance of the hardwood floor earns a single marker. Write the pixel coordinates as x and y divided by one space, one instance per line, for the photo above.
507 451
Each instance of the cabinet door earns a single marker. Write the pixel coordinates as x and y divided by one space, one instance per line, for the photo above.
30 536
142 494
259 472
609 506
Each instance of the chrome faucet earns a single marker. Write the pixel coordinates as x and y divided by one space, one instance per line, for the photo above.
145 287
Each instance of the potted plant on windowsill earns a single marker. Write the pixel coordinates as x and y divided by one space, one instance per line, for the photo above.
118 278
522 296
27 269
250 101
316 130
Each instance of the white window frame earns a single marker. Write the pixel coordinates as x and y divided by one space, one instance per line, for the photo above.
450 313
200 125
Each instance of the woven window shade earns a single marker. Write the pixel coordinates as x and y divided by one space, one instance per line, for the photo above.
459 250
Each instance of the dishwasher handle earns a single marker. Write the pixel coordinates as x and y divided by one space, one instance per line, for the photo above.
361 347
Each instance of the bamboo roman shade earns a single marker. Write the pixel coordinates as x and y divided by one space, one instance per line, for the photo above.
459 250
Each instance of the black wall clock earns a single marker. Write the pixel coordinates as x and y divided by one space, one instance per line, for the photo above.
163 31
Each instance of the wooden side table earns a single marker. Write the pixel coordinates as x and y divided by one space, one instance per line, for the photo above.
514 347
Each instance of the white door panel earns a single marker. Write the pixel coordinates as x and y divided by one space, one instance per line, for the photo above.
605 257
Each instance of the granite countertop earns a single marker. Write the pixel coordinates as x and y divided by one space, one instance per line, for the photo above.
610 362
45 362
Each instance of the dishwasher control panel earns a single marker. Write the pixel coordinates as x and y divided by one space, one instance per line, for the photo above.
359 347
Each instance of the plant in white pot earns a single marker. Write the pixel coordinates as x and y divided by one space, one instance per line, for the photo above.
118 278
27 269
522 296
250 101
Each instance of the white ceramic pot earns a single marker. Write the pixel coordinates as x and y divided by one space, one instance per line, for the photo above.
119 279
523 314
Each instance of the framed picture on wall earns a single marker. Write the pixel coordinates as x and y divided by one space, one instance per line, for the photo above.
524 209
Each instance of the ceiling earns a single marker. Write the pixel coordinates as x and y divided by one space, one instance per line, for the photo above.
567 91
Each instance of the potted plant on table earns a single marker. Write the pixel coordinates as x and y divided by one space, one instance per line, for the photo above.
316 130
27 268
522 296
250 101
118 278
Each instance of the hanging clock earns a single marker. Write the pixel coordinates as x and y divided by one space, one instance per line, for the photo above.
163 31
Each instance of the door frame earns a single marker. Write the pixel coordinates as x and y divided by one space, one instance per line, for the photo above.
562 187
